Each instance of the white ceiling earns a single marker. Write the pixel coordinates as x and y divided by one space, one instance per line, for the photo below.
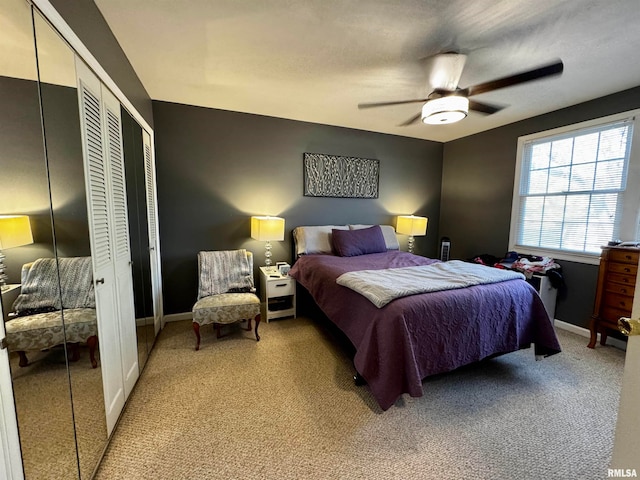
315 60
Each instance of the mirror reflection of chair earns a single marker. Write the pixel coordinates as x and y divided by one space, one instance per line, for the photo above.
226 292
44 319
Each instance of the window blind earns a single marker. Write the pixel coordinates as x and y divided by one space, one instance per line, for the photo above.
572 188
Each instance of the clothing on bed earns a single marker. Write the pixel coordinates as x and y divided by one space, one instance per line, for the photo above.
383 286
413 337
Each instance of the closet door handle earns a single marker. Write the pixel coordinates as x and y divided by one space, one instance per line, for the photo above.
100 280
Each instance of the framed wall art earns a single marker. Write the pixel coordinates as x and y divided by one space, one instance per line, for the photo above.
337 176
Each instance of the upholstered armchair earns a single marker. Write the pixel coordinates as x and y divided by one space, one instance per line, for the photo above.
226 292
54 310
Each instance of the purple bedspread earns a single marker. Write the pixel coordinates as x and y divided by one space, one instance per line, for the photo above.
420 335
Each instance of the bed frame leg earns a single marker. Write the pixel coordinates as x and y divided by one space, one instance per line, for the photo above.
359 380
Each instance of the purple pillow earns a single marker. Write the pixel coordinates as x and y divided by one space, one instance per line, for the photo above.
350 243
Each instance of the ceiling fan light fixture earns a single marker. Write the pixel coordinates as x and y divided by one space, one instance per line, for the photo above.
443 110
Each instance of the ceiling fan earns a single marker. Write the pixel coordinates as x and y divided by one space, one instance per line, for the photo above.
448 103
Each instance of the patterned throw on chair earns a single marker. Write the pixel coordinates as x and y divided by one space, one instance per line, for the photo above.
226 271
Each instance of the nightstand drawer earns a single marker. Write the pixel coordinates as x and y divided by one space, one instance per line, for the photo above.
281 288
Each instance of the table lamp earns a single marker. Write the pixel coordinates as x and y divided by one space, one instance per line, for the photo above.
412 226
267 229
15 231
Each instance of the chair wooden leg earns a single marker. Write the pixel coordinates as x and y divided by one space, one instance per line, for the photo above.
75 351
218 328
92 342
24 361
257 325
603 336
196 329
248 325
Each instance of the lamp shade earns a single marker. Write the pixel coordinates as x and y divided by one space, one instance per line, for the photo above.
15 231
411 225
444 110
267 228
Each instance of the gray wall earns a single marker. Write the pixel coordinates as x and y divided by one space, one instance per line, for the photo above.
477 189
23 170
217 168
87 22
26 179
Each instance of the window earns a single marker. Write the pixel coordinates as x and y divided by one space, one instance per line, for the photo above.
571 192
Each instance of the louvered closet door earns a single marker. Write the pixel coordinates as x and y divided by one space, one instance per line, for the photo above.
121 252
154 247
95 166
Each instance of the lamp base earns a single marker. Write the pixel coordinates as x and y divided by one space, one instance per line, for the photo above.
267 253
3 275
410 244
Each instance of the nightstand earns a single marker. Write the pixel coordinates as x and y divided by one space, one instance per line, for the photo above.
277 294
9 295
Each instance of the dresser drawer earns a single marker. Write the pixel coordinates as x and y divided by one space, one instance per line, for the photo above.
619 278
281 288
623 257
621 287
612 315
624 268
622 302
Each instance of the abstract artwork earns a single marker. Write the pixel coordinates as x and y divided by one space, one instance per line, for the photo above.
336 176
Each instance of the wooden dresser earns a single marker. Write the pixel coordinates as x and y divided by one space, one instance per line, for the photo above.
616 286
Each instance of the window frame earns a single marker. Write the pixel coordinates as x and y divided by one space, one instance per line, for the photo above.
632 195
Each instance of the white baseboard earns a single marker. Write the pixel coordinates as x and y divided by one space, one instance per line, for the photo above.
141 322
584 332
178 317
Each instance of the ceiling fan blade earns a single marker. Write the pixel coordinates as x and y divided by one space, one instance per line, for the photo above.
413 119
445 70
483 107
388 104
548 70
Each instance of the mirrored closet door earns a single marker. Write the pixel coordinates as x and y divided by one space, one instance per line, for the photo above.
38 367
62 127
72 372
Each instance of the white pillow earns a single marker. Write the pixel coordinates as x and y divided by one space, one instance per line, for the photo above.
315 239
388 232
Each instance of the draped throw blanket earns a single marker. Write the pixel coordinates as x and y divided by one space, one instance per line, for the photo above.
226 271
40 290
383 286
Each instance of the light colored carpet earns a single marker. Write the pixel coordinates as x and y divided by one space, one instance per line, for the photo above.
286 408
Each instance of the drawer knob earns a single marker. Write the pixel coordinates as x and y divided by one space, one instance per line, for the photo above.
627 269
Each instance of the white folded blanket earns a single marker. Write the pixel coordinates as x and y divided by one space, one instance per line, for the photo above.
382 286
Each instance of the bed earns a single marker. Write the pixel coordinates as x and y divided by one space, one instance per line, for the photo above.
409 338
